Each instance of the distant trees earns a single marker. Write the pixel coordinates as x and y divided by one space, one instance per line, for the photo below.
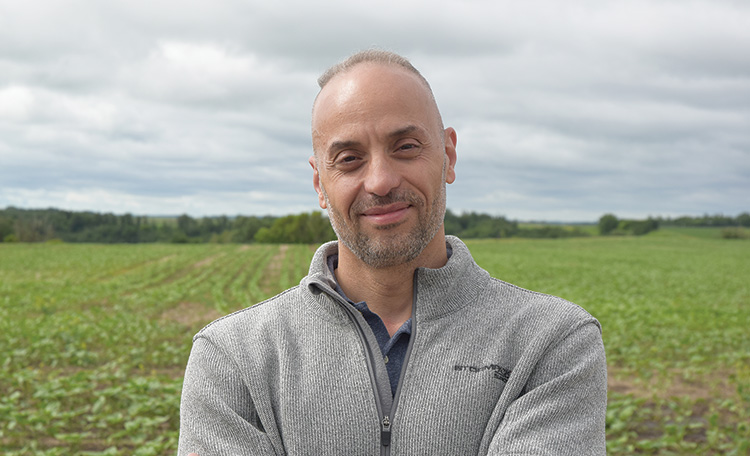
38 225
639 227
6 230
474 225
244 228
609 224
551 232
310 228
706 220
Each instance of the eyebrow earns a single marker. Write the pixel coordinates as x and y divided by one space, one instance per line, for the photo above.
340 145
403 131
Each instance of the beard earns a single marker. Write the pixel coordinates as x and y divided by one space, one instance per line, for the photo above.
387 248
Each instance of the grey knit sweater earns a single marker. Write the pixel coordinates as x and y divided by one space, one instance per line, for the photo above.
491 369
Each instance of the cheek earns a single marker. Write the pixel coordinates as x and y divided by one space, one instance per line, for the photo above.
340 196
430 181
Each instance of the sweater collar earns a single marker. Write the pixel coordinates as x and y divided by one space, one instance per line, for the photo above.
455 285
439 291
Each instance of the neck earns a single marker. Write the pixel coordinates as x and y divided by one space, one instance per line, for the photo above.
387 291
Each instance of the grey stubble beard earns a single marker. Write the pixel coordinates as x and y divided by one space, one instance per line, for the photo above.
395 249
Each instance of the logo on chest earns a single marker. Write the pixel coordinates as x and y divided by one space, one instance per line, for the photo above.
498 372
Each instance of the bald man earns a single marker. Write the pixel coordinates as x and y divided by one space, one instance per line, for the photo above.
396 342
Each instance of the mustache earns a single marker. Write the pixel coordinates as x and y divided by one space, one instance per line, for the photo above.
396 196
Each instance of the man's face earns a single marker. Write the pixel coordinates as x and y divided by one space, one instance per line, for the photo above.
381 162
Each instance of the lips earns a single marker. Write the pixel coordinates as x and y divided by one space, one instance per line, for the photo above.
380 210
391 213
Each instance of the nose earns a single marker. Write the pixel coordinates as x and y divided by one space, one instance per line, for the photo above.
382 176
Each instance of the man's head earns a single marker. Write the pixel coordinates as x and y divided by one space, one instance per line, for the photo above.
381 158
375 56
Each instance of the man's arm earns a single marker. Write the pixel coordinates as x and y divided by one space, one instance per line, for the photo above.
217 414
563 409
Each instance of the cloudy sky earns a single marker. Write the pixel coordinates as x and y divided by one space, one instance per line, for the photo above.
564 110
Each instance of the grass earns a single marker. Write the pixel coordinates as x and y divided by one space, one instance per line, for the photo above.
94 338
674 309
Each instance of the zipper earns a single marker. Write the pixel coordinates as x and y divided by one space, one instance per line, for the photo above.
385 419
412 337
385 432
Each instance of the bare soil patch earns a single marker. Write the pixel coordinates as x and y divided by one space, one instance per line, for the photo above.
273 270
164 259
190 314
207 261
717 384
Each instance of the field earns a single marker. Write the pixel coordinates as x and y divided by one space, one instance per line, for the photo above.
94 338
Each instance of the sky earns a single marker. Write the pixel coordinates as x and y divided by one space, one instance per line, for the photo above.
564 111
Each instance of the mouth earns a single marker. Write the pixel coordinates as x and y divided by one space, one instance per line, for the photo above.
385 215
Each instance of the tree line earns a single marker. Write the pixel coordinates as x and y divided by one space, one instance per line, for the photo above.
38 225
706 220
610 224
473 225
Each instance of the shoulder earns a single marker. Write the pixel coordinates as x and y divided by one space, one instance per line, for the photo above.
505 300
255 318
528 315
292 311
525 300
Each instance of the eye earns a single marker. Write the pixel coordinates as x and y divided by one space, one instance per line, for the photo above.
347 161
408 149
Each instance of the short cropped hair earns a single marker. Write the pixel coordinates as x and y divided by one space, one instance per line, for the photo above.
370 56
382 57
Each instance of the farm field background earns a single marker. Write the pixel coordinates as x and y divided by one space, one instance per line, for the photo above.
94 338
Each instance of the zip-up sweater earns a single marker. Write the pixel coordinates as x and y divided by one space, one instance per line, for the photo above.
491 368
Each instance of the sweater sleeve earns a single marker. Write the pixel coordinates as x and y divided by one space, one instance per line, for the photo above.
217 414
563 408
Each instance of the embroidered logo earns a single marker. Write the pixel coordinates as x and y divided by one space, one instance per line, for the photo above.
499 372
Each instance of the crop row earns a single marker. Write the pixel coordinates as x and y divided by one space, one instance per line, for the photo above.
94 338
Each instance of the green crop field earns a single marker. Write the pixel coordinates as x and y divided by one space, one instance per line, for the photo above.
94 338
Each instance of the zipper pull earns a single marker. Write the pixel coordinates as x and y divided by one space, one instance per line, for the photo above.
385 432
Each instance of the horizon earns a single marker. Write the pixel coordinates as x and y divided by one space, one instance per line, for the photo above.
563 111
325 214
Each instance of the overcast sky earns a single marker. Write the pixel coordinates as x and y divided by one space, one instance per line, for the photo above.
564 110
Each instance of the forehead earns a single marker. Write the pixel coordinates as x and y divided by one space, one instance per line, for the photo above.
372 96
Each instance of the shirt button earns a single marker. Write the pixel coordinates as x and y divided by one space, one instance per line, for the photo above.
385 359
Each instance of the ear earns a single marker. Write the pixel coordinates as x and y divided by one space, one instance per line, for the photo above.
316 183
450 153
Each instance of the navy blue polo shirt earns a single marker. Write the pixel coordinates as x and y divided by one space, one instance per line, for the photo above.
393 348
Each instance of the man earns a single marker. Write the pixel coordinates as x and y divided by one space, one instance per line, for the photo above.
396 342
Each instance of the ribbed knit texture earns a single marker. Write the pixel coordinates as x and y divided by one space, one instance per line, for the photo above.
493 369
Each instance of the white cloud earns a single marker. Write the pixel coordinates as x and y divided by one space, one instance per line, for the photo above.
564 110
15 103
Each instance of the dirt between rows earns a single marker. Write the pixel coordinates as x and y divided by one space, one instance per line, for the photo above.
674 384
190 314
